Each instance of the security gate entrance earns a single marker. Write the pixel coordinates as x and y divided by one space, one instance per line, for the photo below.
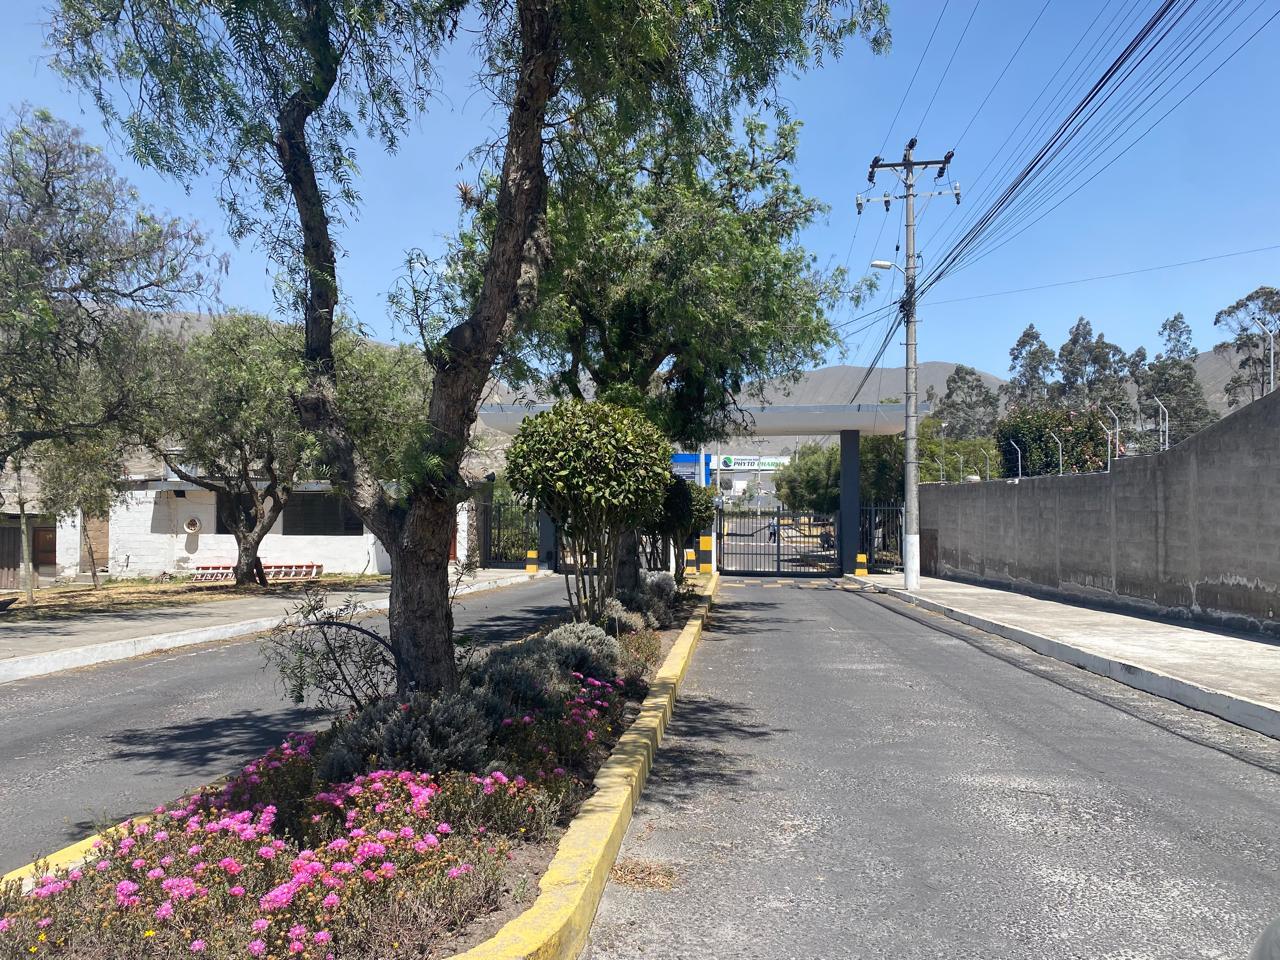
777 542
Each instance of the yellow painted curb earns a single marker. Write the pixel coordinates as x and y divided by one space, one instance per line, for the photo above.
65 858
556 926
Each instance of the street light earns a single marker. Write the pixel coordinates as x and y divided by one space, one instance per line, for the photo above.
885 265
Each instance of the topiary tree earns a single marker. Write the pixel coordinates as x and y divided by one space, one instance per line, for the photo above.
597 470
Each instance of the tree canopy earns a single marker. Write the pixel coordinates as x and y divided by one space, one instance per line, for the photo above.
677 281
969 407
83 265
1249 344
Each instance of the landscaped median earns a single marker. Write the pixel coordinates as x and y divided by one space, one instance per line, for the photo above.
300 854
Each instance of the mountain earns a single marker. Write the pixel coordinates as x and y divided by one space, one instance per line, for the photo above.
836 384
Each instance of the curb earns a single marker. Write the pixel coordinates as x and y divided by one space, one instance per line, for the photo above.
42 664
557 925
1251 714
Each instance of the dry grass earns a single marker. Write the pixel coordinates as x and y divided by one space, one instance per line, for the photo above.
644 874
53 603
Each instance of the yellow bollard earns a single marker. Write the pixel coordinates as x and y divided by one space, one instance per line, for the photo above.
704 548
860 568
531 561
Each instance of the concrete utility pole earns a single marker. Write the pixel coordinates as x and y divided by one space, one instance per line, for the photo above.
905 170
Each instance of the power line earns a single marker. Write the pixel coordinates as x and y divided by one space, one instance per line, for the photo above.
1007 65
947 68
919 64
1108 276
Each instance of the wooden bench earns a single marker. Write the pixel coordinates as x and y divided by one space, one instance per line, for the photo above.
273 571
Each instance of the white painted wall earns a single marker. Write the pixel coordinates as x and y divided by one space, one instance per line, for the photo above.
67 545
147 539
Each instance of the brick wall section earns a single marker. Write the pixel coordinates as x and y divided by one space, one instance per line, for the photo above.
1192 532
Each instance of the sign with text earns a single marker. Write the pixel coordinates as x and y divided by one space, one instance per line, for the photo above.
760 464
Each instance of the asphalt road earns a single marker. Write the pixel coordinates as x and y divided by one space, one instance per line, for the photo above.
840 781
95 745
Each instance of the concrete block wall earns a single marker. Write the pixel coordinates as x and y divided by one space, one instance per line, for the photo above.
1193 532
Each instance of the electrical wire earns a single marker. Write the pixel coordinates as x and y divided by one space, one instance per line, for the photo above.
947 68
1108 276
916 73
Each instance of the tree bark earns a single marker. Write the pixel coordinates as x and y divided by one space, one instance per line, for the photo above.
629 561
420 615
88 545
28 573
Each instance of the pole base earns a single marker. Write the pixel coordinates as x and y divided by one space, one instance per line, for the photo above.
911 561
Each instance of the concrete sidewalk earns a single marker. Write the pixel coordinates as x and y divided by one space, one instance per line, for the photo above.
36 648
1227 675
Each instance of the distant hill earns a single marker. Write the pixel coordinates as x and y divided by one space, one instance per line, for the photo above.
836 384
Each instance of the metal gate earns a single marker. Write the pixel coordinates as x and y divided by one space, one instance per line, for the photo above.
507 533
777 542
881 536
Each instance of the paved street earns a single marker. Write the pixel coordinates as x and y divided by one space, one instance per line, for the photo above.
100 743
843 782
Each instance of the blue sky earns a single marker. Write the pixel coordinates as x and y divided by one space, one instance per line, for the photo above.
1201 184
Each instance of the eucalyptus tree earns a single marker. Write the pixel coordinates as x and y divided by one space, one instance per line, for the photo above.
969 407
1032 364
271 94
1248 343
84 264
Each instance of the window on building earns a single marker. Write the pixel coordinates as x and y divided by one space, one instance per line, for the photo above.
320 514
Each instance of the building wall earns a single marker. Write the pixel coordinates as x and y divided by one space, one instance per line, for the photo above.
1191 532
147 538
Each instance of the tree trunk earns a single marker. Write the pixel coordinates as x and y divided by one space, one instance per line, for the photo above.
629 562
88 546
28 574
420 616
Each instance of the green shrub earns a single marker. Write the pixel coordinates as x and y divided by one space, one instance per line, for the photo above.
424 733
640 653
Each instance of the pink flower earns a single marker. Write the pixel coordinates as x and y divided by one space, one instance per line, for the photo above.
261 924
330 902
4 924
236 891
257 948
138 864
165 910
44 922
231 865
444 828
266 853
197 946
124 890
296 946
155 873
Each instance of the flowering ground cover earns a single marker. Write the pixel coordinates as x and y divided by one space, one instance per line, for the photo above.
393 834
382 865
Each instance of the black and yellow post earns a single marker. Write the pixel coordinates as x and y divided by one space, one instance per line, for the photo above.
690 562
704 553
531 561
860 569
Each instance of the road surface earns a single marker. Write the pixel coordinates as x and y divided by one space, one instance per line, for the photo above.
95 745
840 782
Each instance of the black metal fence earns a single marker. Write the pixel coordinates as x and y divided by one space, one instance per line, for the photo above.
506 534
880 536
777 542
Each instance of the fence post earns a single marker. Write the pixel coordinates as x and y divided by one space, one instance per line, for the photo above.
777 540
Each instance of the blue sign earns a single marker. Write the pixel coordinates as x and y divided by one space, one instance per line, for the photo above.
686 465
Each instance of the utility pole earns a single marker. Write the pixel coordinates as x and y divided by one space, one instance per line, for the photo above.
905 170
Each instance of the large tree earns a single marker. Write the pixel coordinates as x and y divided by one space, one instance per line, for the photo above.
678 283
969 407
83 264
269 93
1093 370
1031 366
1248 344
230 428
1171 379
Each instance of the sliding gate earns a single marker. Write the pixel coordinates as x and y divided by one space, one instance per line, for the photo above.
777 542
